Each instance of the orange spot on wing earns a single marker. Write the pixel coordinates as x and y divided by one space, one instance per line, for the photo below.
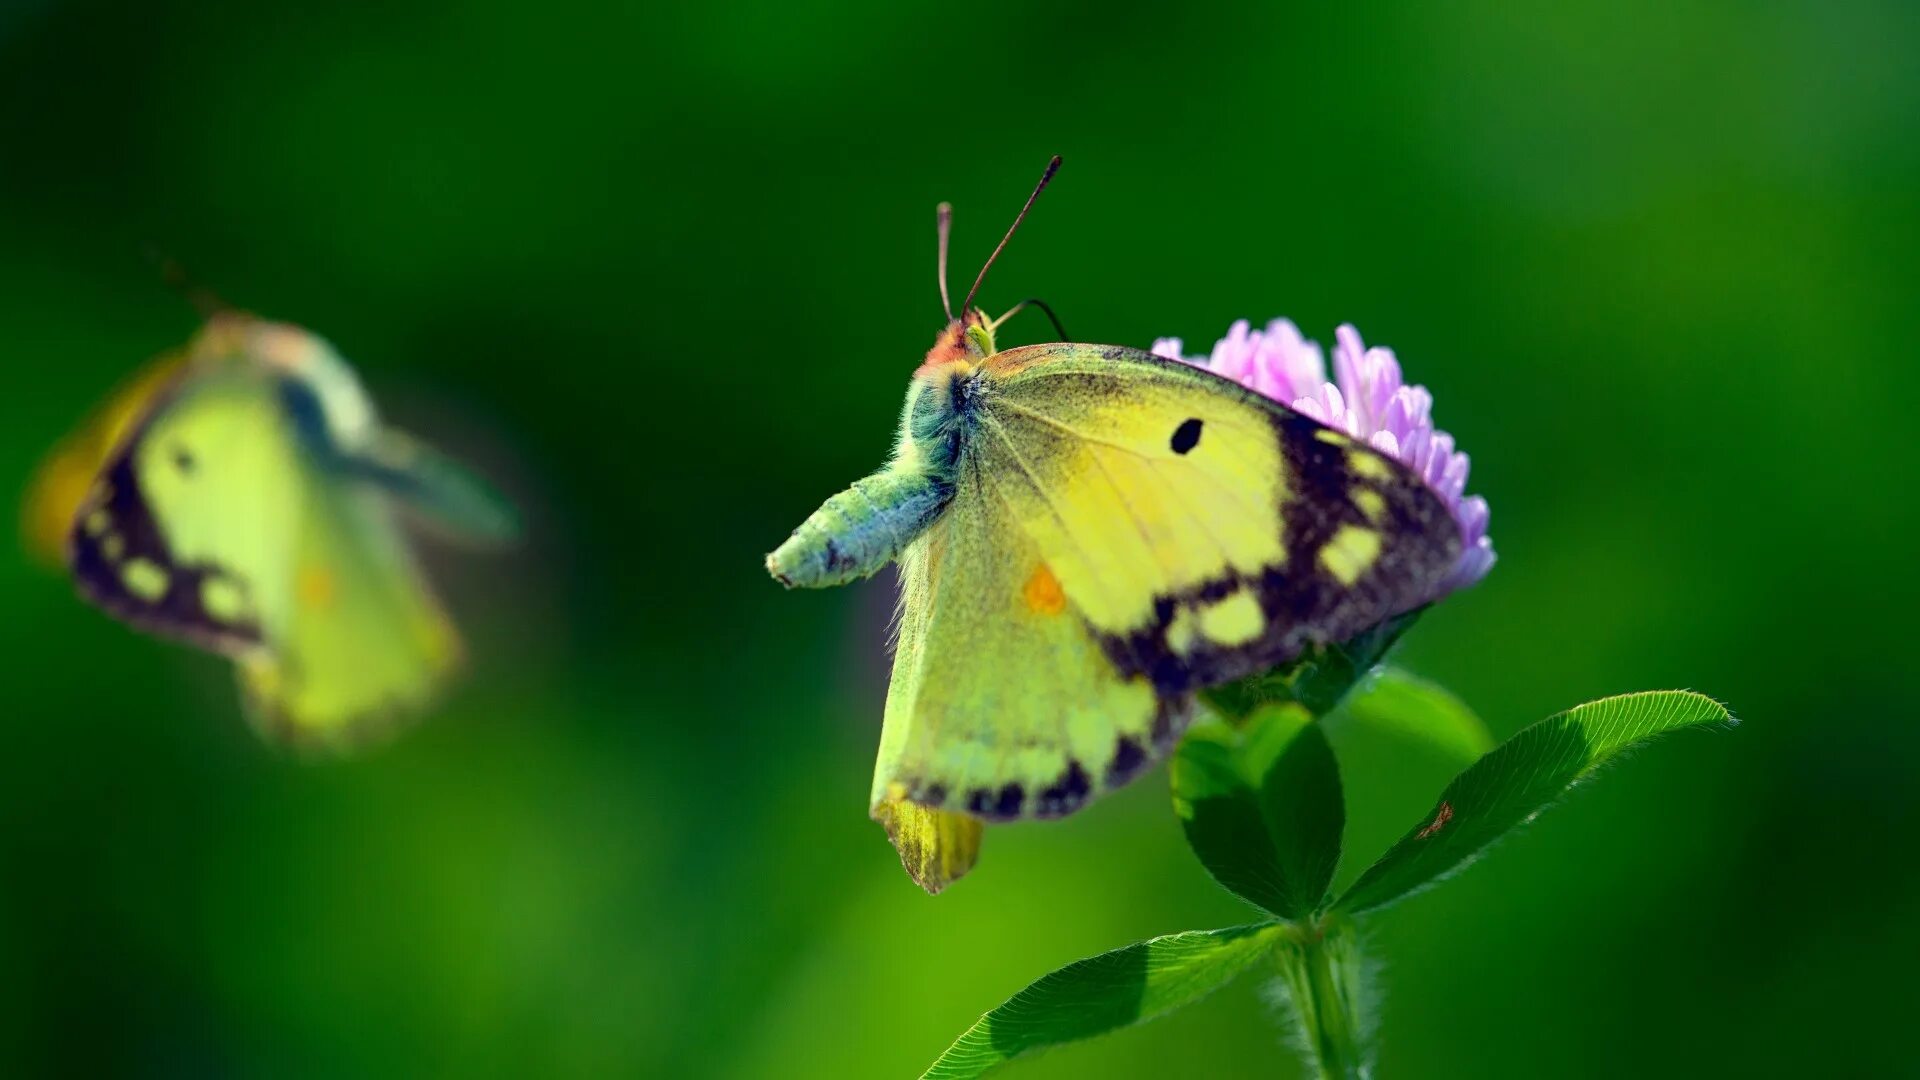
315 587
1439 821
1042 592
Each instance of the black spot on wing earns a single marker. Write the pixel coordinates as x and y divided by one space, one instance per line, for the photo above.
1064 795
1002 804
1012 797
1129 757
116 527
1186 436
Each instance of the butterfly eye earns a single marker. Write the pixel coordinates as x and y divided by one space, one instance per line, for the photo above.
1186 436
183 460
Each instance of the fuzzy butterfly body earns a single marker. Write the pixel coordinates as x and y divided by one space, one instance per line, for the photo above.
250 508
1086 537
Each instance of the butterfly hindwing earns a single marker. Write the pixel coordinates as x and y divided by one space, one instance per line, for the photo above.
1127 531
361 643
1002 705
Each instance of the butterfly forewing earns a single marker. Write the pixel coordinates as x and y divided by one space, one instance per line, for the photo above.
1250 530
127 559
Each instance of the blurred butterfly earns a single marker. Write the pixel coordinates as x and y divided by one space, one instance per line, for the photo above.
1088 535
241 496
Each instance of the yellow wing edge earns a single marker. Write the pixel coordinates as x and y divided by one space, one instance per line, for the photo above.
63 478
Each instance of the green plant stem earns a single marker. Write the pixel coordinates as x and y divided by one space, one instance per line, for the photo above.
1321 966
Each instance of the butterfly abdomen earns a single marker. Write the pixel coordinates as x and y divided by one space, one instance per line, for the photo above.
862 529
867 526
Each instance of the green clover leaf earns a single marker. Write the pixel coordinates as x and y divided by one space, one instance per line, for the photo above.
1521 777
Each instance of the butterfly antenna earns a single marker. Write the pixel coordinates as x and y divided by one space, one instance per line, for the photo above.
943 220
1032 301
1052 167
175 277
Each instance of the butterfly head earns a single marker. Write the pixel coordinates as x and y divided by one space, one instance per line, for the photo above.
959 348
318 385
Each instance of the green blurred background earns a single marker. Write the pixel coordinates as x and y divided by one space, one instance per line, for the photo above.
666 274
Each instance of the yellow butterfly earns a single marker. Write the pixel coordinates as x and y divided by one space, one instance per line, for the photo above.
242 496
1088 535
